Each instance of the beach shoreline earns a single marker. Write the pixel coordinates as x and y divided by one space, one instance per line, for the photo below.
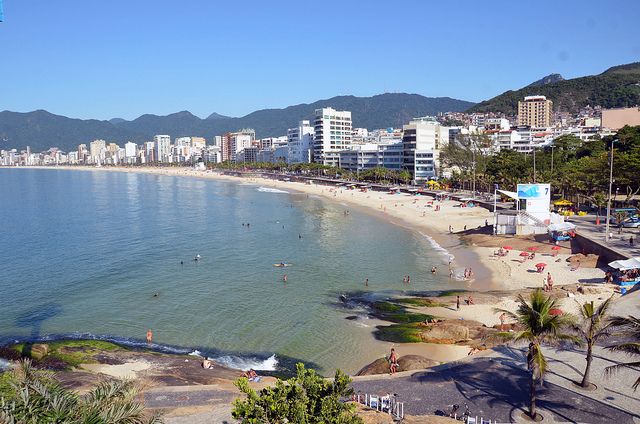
420 215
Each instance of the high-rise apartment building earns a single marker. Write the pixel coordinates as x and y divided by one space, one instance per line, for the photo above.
162 145
332 134
97 150
535 112
130 150
234 142
422 139
300 142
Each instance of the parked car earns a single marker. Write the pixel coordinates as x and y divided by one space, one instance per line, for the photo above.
631 223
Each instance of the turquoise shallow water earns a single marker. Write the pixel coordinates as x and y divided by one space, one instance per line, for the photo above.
84 252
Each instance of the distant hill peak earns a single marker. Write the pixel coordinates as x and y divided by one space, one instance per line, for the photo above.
618 86
629 68
216 115
549 79
116 121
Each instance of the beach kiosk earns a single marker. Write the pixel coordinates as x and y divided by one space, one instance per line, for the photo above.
627 272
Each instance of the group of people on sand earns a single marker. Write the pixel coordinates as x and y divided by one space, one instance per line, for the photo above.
468 301
468 274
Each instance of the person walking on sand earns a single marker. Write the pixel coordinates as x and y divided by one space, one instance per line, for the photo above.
393 362
502 318
457 303
149 336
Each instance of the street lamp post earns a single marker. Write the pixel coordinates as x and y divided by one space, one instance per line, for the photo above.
534 164
606 236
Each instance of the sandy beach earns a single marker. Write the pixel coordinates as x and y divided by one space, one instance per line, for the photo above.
491 272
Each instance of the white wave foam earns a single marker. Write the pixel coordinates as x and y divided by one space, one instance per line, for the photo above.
4 364
441 250
195 353
247 363
271 190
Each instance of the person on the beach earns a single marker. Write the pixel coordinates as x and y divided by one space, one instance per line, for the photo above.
502 318
457 303
149 336
631 241
549 280
284 278
450 273
434 269
469 301
470 273
366 282
408 279
393 361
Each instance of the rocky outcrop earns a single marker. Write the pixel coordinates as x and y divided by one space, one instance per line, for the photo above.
405 363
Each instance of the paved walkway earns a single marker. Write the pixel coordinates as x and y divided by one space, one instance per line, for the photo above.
620 242
496 386
192 404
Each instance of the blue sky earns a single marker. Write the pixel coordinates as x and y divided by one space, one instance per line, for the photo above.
116 58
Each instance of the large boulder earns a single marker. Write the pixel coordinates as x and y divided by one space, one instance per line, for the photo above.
379 366
405 363
415 362
445 332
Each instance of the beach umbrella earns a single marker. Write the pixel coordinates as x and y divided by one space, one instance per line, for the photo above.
532 249
541 265
524 254
556 311
507 247
556 248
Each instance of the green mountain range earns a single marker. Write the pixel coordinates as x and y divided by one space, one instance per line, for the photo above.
616 87
41 129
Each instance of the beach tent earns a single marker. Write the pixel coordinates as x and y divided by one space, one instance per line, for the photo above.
511 194
633 263
563 226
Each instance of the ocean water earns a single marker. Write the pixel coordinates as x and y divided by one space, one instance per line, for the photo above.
97 254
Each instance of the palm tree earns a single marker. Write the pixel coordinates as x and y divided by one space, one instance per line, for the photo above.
628 327
538 326
38 397
593 327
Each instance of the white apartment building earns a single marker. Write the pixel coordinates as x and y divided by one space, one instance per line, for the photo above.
272 142
422 140
130 150
300 142
361 157
238 142
332 134
162 145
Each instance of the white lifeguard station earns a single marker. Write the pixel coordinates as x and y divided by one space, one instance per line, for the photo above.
532 214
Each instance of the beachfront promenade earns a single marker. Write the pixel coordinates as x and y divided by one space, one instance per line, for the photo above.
587 227
495 385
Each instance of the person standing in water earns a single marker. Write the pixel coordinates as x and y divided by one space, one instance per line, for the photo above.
366 282
149 336
284 278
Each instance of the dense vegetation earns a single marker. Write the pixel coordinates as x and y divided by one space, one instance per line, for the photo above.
31 395
616 87
306 398
41 129
572 167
